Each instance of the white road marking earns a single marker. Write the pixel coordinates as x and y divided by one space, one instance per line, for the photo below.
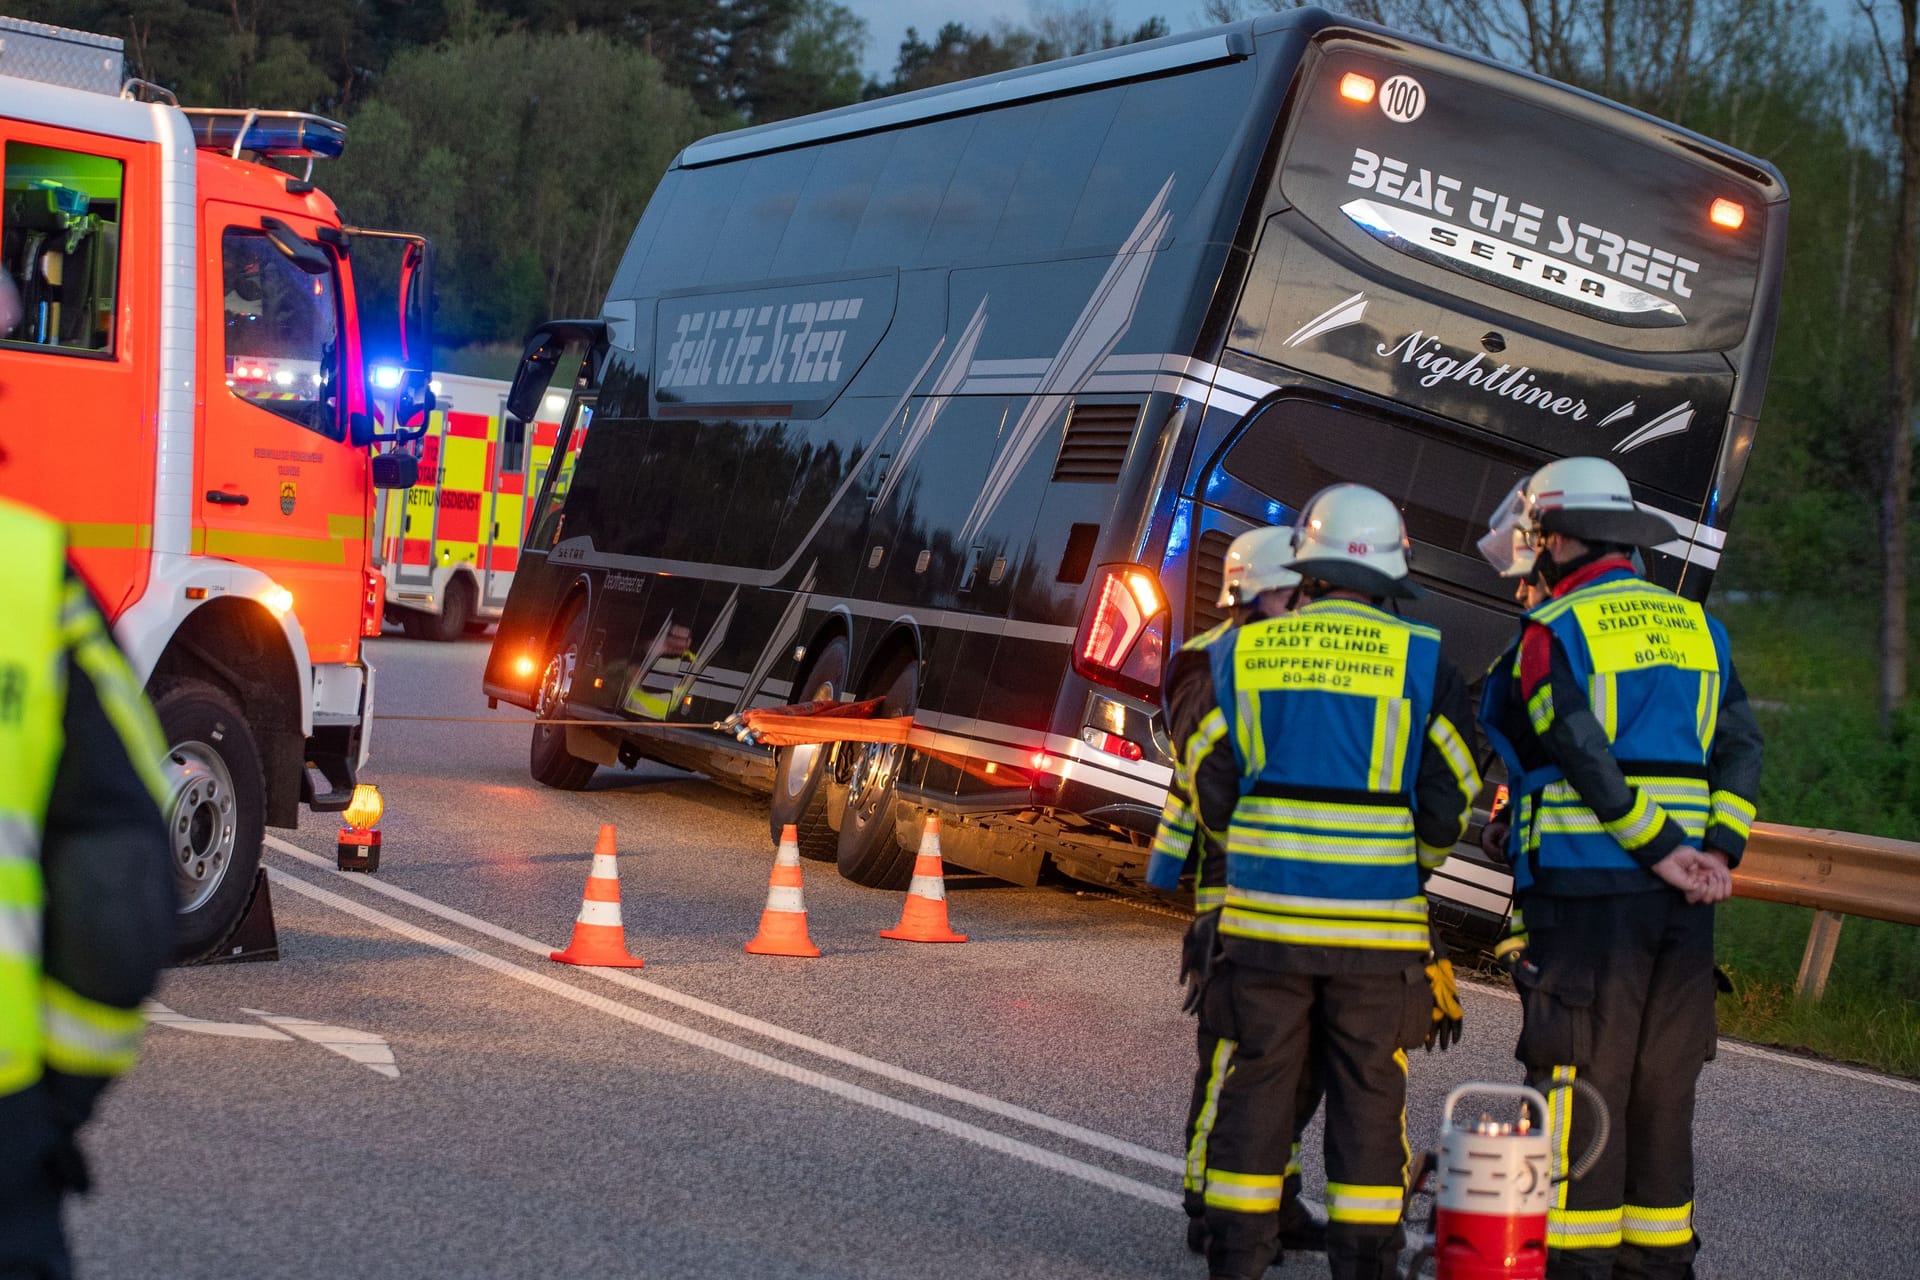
1744 1050
719 1013
364 1047
161 1016
1053 1161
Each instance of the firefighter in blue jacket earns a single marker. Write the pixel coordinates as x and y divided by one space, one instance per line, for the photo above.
1633 762
1255 566
1333 759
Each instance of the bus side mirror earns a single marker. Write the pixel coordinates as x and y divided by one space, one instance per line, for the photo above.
545 345
395 470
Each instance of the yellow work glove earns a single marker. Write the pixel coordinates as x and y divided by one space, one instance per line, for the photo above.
1448 1016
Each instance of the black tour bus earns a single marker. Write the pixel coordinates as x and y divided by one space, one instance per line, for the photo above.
956 398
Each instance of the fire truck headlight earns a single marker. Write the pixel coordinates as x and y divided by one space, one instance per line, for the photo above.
279 601
386 376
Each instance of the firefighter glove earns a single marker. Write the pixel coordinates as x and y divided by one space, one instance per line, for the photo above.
1448 1016
1197 952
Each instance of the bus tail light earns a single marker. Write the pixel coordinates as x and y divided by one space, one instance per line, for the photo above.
1355 87
1122 640
1729 214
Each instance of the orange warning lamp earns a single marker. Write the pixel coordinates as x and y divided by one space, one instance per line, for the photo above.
1729 214
358 848
523 667
1355 87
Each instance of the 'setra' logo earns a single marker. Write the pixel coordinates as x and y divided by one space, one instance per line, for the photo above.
287 495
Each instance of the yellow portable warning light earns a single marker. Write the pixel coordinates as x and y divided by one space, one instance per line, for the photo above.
359 846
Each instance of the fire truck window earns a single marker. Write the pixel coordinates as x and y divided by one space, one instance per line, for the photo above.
60 237
283 333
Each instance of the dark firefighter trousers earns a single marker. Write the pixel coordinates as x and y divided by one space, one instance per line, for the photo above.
39 1164
1216 1055
1619 990
1363 1023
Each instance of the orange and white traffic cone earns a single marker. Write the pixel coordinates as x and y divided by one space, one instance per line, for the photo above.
924 917
599 938
783 925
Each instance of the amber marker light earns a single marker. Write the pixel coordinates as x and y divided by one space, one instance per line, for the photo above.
364 810
523 667
1355 87
1729 214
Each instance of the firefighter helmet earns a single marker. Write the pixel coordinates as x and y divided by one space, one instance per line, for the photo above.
1353 537
1257 562
1584 498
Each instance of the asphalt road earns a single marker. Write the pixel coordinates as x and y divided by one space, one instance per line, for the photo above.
453 1104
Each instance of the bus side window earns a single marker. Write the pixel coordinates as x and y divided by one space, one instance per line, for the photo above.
60 242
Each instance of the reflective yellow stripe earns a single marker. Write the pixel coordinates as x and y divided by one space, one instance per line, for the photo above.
1638 825
1244 1192
92 536
1453 749
1208 899
1540 709
1196 1175
1304 931
1203 740
1583 1228
1602 697
1657 1227
127 710
1731 811
1360 819
268 546
1347 1202
1253 748
1337 850
1432 855
1708 715
1388 909
1387 759
1293 1159
85 1037
1560 1128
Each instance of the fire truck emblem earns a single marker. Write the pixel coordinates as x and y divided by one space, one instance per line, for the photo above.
287 495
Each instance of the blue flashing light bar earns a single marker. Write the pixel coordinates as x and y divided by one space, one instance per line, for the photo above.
267 133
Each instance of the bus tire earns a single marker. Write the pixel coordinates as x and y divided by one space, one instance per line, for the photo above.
868 852
215 810
802 776
456 610
548 759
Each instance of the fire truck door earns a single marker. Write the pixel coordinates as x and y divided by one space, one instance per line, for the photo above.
507 498
278 487
411 524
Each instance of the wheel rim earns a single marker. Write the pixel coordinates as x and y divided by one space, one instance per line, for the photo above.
556 685
203 826
800 762
873 774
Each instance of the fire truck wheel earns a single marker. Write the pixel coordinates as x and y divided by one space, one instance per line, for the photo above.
802 775
868 853
456 610
548 759
215 809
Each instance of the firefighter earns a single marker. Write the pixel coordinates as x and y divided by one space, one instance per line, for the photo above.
86 901
1633 762
1332 759
1254 566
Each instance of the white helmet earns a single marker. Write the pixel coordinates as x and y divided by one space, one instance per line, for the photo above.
1584 498
1256 562
1353 537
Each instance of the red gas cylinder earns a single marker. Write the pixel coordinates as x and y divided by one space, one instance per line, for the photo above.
1493 1189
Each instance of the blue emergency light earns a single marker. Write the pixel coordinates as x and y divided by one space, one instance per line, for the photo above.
267 133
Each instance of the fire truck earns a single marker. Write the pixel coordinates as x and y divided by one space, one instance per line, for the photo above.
448 551
185 389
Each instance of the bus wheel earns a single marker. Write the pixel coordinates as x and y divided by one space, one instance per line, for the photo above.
548 759
215 810
868 853
456 610
801 775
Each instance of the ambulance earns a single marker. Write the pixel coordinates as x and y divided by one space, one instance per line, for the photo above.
450 548
185 388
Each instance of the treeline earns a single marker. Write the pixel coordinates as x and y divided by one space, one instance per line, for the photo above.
525 136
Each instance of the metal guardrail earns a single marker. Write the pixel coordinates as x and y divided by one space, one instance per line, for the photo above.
1838 874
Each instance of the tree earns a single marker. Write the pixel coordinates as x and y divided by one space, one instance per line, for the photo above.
822 48
1066 30
528 159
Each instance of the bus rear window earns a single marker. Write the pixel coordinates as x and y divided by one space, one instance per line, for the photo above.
1295 448
1580 206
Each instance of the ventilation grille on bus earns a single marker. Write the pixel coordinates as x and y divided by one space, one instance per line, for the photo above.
1095 446
1209 567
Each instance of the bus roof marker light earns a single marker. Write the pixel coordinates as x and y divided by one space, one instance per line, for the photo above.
1355 87
1730 214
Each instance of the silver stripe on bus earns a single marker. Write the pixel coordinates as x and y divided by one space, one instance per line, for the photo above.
945 384
1055 744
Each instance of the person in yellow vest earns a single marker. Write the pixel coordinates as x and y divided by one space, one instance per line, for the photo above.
1335 764
86 900
1254 583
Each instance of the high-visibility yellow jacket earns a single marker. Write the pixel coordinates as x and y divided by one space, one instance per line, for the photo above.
54 637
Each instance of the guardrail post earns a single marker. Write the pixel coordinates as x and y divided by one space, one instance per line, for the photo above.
1818 960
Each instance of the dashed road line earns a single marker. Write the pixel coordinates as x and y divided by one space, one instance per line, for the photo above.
1160 1160
1042 1157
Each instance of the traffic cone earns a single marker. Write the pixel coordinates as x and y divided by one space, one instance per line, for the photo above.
598 936
783 925
924 917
